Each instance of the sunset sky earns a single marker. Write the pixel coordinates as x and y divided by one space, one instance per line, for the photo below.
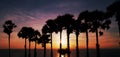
34 13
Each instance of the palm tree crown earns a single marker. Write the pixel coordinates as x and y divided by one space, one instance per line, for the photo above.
8 27
26 33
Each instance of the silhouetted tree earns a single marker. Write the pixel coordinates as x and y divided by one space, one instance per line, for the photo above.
26 33
68 24
114 9
84 19
23 33
30 36
60 26
51 28
76 28
44 39
35 39
8 29
99 21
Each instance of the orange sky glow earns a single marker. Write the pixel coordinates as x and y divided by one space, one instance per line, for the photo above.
105 41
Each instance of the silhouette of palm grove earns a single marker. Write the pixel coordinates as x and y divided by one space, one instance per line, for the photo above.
88 21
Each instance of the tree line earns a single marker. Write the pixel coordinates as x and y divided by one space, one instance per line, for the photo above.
88 21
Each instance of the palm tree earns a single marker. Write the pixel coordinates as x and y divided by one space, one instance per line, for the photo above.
76 28
60 26
26 33
68 23
51 28
44 39
8 29
35 39
99 21
30 36
84 19
23 33
114 9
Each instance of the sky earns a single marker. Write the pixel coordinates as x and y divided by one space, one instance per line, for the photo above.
34 13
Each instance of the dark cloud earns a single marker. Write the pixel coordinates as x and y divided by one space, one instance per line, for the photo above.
28 9
53 5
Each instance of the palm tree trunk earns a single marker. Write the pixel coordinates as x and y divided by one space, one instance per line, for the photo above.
25 48
77 49
51 46
44 49
35 52
29 49
97 44
68 45
87 48
60 42
9 45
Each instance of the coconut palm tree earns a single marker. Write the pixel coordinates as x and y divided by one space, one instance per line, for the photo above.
99 21
68 23
46 30
60 26
84 20
76 28
26 33
114 9
30 36
35 39
44 39
8 29
37 34
23 33
51 28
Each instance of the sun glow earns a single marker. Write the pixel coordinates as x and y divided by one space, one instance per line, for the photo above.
64 40
62 55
